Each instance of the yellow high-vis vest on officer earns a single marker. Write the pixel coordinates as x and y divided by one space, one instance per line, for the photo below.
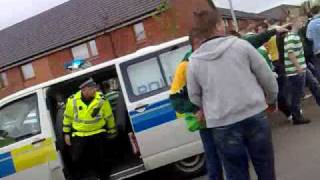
82 120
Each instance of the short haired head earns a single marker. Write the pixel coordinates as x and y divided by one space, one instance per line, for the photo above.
88 88
208 22
262 27
315 10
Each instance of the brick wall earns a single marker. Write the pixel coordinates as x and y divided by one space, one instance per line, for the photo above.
163 27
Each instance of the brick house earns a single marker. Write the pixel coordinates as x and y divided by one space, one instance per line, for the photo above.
35 50
282 11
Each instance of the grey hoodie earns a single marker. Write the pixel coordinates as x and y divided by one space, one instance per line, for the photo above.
230 80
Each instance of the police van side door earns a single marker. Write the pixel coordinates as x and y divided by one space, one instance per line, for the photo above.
146 81
26 146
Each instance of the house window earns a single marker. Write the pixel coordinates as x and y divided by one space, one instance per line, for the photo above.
3 80
139 31
27 71
85 50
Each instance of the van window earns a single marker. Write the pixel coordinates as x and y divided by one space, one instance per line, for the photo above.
145 76
152 74
170 60
19 120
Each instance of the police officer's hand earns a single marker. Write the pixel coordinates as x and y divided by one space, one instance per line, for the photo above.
67 139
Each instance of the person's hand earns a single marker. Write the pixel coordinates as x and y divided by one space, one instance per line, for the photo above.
283 28
272 108
300 70
200 116
67 139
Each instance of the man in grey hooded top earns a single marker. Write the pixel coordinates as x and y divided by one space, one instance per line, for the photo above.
229 80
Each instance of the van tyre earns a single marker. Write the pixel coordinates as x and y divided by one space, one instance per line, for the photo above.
192 166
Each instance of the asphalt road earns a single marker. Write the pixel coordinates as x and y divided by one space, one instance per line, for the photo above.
297 149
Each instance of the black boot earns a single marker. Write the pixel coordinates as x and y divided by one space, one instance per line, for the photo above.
301 121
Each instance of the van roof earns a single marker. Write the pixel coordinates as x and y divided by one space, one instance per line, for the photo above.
119 60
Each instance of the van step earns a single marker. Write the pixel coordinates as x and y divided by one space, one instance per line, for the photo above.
128 172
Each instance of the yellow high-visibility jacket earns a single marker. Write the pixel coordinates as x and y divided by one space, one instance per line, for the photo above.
78 118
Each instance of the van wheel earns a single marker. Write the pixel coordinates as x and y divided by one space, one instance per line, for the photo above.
191 166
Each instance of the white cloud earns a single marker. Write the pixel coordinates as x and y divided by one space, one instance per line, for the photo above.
255 5
14 11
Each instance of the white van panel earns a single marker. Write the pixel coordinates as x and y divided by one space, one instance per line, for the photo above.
173 155
36 173
164 137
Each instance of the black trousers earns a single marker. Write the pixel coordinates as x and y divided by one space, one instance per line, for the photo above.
282 84
89 156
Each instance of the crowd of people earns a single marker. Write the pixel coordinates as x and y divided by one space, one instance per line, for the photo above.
229 80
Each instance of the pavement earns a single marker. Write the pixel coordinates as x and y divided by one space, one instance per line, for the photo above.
297 148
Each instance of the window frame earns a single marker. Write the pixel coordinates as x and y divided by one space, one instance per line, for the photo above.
89 49
136 33
124 71
38 113
22 71
3 81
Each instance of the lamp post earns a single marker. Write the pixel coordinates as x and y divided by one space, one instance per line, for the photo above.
234 18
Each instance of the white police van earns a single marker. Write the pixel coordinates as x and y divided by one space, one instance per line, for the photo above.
150 135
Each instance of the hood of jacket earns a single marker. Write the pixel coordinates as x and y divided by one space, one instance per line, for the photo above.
213 49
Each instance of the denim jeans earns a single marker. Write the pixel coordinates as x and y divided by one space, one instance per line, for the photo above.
295 91
313 85
212 159
314 66
250 138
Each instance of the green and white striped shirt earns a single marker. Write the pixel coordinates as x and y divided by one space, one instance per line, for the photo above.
293 44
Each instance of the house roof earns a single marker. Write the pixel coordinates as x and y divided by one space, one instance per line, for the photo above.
278 12
72 21
68 22
240 14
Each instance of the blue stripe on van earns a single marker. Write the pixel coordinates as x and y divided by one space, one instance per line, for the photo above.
152 106
154 115
6 165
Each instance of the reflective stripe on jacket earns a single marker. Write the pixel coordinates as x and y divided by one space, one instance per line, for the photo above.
81 120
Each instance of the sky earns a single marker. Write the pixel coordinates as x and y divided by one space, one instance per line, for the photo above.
255 5
14 11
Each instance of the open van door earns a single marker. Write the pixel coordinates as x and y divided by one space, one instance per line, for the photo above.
27 149
162 138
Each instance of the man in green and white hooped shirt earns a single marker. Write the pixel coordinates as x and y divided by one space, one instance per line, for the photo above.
295 67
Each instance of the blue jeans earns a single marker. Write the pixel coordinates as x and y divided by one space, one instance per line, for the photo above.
314 66
248 138
313 85
212 159
295 91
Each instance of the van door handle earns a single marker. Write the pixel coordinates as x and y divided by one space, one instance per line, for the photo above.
141 108
37 141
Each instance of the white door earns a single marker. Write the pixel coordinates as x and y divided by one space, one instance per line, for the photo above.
27 150
146 81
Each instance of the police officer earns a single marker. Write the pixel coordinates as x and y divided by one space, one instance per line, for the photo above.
88 119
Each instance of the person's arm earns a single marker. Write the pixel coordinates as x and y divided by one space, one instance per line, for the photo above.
263 74
295 61
309 33
257 40
194 88
67 121
107 115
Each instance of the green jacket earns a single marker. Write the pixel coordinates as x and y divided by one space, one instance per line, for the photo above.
258 40
178 93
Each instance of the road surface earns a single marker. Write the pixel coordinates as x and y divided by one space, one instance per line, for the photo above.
297 149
